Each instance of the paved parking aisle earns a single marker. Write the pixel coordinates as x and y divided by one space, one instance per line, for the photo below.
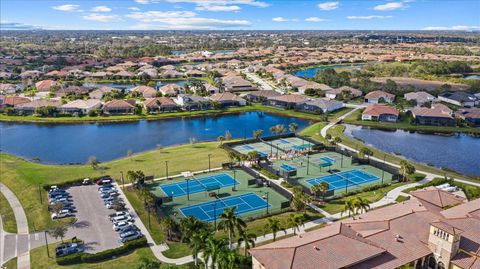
92 225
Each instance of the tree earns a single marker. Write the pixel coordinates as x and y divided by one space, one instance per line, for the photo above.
228 259
58 231
365 152
145 263
230 222
349 207
361 205
406 169
214 248
257 133
273 226
328 136
293 127
321 188
129 153
248 239
221 139
57 207
197 243
92 161
137 178
300 199
337 140
190 226
295 221
253 156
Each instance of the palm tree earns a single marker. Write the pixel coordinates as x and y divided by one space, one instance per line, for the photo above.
293 127
320 188
248 239
229 222
300 199
361 204
189 226
349 208
197 243
406 169
273 129
257 133
295 220
213 250
281 129
253 156
221 139
365 152
274 226
228 259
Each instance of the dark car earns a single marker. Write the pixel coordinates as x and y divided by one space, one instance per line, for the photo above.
65 249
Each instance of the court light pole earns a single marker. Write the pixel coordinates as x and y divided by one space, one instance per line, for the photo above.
166 168
209 167
383 171
188 189
215 215
308 162
265 197
234 179
46 244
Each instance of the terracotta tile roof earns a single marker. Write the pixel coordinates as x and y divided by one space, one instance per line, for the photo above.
159 101
289 98
379 94
119 103
446 227
15 100
437 197
264 93
377 110
462 210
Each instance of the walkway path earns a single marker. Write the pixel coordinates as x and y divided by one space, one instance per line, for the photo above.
264 85
21 245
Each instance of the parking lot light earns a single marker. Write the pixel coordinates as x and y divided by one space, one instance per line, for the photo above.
46 244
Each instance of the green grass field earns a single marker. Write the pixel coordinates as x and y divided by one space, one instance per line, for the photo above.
8 218
24 178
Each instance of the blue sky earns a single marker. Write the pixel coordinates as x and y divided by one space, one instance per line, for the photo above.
241 14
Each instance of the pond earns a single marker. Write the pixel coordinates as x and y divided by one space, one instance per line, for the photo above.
472 77
459 152
310 72
74 143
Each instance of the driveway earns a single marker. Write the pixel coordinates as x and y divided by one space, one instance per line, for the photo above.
92 225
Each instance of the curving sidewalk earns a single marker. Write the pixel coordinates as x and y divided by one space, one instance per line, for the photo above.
23 258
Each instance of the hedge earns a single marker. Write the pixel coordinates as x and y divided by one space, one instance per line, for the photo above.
72 182
103 255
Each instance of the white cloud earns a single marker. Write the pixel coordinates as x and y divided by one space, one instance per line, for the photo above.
6 25
145 2
217 8
314 19
101 17
328 5
67 8
282 19
134 8
181 20
371 17
453 28
101 9
389 6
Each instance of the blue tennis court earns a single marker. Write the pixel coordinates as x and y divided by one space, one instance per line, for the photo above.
344 179
283 141
247 147
198 185
287 167
207 211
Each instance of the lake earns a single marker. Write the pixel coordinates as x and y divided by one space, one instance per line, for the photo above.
472 77
310 72
74 143
459 152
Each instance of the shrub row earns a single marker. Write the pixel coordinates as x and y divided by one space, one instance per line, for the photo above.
104 255
72 182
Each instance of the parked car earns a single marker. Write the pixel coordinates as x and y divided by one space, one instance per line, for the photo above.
105 180
62 214
130 227
118 214
56 191
122 218
131 237
105 186
65 249
59 200
86 181
110 205
119 225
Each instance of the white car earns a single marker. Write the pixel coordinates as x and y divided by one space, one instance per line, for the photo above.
119 214
62 214
119 225
122 218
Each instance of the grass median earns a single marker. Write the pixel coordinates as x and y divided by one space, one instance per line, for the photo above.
8 218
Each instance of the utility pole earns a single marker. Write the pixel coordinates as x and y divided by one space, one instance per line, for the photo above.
46 244
166 168
209 166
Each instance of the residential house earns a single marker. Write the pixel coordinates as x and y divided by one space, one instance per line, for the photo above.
119 106
194 73
46 85
227 99
261 96
344 91
320 106
193 102
159 104
79 90
148 72
377 97
80 106
235 83
124 75
288 101
459 99
380 113
434 229
313 86
437 115
12 101
100 92
470 115
29 108
8 88
419 97
171 89
172 74
210 89
145 91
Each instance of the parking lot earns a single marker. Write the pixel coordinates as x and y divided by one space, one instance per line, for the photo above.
92 225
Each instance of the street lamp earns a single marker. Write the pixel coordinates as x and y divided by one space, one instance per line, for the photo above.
123 181
166 168
46 244
383 171
308 162
234 179
209 167
265 197
188 189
